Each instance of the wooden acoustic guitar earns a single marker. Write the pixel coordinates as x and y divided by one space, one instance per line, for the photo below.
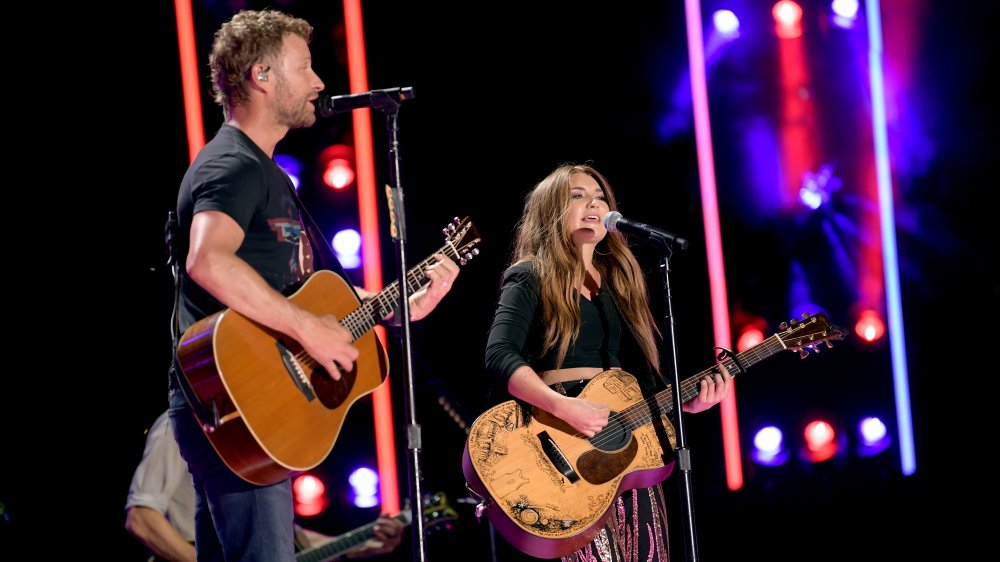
273 411
548 490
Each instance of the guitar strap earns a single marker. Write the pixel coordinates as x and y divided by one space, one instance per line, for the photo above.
173 373
323 254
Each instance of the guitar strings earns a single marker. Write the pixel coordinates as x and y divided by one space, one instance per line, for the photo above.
641 413
637 415
355 323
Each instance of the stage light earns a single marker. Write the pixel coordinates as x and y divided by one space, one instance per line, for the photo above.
748 327
749 337
337 163
726 23
310 495
364 487
870 326
291 166
817 188
821 441
843 13
307 488
787 19
873 437
347 245
768 447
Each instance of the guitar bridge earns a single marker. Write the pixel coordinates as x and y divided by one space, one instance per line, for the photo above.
557 458
295 371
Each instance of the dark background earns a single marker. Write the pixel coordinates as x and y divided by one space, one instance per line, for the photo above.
505 92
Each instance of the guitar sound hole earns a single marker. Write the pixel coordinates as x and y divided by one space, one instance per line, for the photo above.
333 393
613 437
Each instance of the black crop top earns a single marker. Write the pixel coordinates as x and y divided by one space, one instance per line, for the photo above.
517 332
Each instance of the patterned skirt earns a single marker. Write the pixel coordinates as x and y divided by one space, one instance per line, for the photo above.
636 531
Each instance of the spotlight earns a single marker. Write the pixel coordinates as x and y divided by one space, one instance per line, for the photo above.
821 441
873 437
726 23
310 495
364 487
337 163
787 19
768 447
870 326
291 166
818 187
749 328
347 245
844 13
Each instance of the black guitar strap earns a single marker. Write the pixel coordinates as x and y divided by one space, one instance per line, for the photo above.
203 413
323 254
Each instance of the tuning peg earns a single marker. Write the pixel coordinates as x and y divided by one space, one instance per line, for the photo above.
783 326
805 316
803 353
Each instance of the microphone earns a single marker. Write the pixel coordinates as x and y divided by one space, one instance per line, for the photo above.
378 99
615 222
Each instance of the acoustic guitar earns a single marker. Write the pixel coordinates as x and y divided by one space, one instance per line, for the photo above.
548 490
272 410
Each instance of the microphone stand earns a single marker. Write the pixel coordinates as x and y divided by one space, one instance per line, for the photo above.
397 220
666 245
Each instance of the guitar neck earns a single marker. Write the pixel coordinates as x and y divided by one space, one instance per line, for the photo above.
342 543
386 302
641 413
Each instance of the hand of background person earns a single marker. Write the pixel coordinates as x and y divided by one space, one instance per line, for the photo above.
388 534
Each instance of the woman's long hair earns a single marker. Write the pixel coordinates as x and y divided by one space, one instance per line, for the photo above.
542 239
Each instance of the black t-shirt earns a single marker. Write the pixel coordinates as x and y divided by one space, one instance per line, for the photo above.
233 175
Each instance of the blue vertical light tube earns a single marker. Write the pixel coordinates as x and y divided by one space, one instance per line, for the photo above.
897 336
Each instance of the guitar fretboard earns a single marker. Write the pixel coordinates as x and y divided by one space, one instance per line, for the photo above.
386 302
640 414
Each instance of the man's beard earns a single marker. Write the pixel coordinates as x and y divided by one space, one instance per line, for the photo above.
294 116
297 118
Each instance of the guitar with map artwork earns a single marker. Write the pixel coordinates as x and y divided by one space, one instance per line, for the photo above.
548 490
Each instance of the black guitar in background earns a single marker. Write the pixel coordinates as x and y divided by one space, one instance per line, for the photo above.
437 515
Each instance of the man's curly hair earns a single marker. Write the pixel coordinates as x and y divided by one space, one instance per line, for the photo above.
251 36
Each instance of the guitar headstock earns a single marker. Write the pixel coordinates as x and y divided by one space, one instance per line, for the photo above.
809 333
461 240
437 513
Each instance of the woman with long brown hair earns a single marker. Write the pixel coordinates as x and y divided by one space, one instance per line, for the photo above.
574 304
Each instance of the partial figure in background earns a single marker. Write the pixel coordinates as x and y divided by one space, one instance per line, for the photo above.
159 511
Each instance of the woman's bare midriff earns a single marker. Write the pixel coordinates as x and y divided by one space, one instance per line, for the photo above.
572 374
